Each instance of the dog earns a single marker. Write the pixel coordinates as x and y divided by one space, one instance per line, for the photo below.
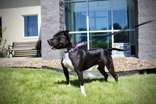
79 58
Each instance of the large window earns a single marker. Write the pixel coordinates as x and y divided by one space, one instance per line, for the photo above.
76 15
94 20
31 25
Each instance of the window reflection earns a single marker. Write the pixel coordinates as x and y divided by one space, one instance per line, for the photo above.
100 40
122 37
112 15
79 37
76 16
100 15
103 14
120 16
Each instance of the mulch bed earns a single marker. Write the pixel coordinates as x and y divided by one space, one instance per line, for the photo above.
120 63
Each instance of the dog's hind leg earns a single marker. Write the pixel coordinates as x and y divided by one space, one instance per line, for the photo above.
110 67
80 77
102 71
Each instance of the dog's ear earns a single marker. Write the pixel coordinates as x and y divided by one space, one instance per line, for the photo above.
66 32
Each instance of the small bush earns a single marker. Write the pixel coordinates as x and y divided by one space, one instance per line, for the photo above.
3 53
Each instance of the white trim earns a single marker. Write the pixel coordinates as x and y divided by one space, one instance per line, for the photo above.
31 37
38 21
88 33
88 40
112 28
100 31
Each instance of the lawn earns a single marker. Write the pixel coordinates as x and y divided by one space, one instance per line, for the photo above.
26 86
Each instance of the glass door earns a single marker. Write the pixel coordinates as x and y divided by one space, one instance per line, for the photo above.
100 23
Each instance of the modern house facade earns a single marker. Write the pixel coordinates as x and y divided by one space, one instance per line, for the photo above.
87 20
17 16
91 20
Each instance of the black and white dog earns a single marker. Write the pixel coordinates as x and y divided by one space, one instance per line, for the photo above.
80 59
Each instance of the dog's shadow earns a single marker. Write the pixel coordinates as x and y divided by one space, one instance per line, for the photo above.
76 81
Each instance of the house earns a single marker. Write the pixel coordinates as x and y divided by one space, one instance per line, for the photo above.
20 21
87 20
16 16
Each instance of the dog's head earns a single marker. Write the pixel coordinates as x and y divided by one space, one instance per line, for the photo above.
60 40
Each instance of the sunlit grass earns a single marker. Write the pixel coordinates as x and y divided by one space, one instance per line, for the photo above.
23 86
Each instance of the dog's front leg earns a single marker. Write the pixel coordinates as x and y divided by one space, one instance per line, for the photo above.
80 77
66 73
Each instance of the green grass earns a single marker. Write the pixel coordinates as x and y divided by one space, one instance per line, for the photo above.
26 86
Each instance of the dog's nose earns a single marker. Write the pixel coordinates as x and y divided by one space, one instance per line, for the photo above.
49 42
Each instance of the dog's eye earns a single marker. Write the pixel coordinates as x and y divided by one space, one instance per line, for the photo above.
62 39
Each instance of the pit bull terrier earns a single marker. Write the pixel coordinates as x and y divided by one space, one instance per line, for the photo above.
79 58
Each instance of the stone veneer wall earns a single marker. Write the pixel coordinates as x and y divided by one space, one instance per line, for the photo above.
52 18
147 33
120 63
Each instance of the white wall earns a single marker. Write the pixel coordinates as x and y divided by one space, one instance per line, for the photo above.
13 21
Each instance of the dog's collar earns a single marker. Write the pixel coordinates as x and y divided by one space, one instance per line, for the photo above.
80 44
71 50
76 47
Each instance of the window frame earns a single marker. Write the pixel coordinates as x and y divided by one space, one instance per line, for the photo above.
33 36
112 30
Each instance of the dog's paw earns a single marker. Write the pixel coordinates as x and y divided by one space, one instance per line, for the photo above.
84 94
82 89
68 85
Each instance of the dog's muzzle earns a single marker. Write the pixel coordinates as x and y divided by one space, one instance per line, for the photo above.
50 44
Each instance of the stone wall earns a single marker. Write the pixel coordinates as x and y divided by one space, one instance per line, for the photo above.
147 33
52 12
120 63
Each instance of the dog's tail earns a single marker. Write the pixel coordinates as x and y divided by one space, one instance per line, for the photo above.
117 49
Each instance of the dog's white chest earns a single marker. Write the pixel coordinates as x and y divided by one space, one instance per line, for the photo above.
67 62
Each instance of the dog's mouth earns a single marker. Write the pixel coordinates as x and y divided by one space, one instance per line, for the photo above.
52 47
59 46
50 44
56 46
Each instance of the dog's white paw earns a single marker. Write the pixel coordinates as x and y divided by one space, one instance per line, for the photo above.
82 89
84 94
68 85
